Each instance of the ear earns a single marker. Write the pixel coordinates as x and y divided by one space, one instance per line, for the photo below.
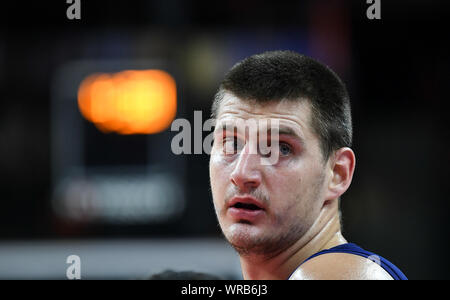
342 166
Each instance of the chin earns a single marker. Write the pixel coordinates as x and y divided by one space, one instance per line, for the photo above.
244 234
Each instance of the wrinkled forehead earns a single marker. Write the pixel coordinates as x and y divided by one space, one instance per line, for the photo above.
286 114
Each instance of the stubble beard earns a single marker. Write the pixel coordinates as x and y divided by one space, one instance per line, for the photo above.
247 244
267 245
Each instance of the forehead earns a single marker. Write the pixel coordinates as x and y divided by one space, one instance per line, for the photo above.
293 114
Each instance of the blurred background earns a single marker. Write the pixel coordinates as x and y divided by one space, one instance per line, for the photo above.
100 180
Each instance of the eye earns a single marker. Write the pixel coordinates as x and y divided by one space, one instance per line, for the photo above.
285 149
231 146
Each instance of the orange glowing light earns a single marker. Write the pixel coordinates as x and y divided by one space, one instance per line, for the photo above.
129 102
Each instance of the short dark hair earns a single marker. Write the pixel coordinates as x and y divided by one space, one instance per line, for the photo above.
183 275
279 75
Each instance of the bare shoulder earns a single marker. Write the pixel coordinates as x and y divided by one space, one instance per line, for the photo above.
340 266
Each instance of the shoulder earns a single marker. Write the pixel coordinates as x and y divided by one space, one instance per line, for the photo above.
340 266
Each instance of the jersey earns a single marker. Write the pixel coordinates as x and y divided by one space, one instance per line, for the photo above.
356 250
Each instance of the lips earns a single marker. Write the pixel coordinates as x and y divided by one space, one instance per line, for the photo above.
245 208
247 203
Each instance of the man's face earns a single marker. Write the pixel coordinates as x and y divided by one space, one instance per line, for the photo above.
265 208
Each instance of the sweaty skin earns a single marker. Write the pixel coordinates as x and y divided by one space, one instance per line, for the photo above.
300 195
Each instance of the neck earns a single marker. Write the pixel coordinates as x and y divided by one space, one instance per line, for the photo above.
323 234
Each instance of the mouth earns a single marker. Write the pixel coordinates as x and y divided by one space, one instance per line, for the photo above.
245 208
246 203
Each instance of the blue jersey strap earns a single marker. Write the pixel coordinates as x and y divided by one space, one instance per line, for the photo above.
356 250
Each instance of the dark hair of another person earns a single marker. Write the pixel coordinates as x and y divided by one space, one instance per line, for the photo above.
286 75
183 275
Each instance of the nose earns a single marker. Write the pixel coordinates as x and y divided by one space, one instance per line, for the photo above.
246 175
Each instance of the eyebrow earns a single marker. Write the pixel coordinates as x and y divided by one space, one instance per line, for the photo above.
289 131
282 130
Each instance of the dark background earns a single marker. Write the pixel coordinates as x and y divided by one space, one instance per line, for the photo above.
396 70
